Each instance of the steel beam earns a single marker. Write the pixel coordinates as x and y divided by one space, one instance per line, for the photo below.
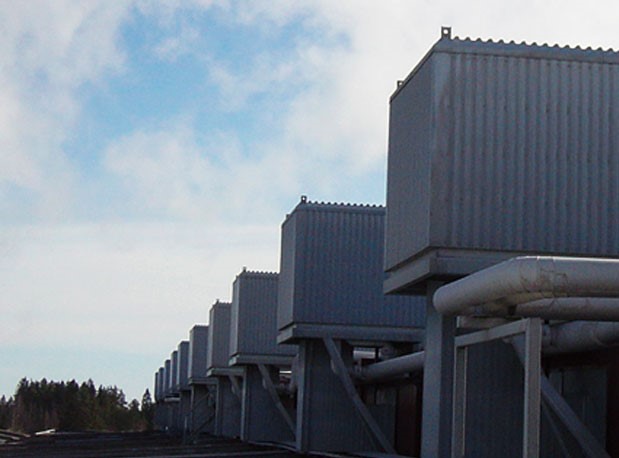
532 384
272 390
342 372
589 444
437 404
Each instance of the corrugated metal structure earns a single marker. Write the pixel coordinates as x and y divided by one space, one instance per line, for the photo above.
253 334
198 344
497 149
157 386
218 349
201 415
331 275
331 300
182 369
254 348
184 389
167 366
174 372
228 410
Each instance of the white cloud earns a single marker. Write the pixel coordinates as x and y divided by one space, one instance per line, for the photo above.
117 286
48 50
175 173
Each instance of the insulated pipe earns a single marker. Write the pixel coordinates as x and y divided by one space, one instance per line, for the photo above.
570 308
581 336
392 367
569 337
525 279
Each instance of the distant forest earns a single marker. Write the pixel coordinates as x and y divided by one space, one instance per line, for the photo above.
68 406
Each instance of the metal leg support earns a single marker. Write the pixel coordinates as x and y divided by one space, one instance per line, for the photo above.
270 387
365 414
436 428
532 388
589 444
459 412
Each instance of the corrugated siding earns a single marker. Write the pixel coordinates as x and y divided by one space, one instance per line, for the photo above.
287 266
218 335
160 376
198 342
495 400
408 170
183 364
338 270
254 316
530 153
523 149
166 376
174 369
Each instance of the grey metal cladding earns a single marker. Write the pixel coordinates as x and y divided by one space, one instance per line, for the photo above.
218 336
160 377
198 342
166 376
507 148
254 316
174 370
407 227
495 399
288 268
332 270
183 364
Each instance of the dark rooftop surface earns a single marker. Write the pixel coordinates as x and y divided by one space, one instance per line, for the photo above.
153 444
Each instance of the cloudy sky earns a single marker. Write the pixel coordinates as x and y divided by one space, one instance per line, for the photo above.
151 149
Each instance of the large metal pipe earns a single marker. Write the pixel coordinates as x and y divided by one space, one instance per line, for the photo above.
499 289
393 367
581 336
575 336
570 308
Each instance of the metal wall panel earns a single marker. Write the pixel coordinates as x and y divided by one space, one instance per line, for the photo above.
253 328
332 270
218 336
495 400
166 377
174 371
407 227
161 375
183 365
508 148
198 344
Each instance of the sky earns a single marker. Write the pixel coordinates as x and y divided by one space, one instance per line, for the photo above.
149 150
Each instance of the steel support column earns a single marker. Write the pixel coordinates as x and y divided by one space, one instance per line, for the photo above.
342 372
267 381
436 427
532 388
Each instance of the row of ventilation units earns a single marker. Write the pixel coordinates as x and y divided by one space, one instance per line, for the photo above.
475 316
285 360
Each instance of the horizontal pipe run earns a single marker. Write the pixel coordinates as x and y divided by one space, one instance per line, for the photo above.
575 336
393 367
498 289
570 308
578 336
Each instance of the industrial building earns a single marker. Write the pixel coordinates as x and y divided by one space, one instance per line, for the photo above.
476 315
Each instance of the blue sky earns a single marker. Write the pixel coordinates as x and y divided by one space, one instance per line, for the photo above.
151 149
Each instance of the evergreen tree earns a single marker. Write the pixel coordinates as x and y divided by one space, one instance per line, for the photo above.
68 406
148 410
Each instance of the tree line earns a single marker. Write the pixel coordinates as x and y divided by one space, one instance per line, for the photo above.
69 406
